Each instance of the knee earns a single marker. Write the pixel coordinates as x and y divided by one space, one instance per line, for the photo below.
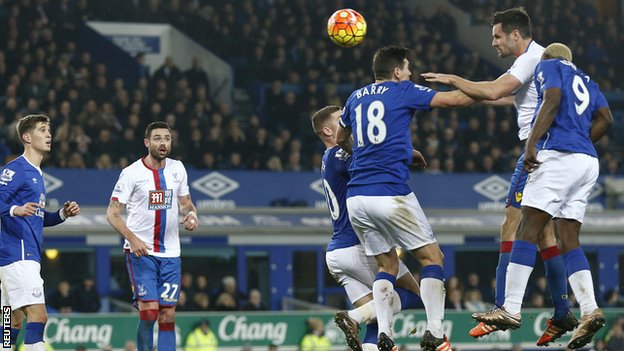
433 256
166 315
36 315
568 245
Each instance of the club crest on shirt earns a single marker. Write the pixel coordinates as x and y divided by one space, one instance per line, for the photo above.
7 175
160 199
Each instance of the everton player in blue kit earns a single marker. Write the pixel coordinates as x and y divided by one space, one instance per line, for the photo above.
22 218
563 166
382 208
345 257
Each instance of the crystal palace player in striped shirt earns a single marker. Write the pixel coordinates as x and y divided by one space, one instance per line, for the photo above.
154 190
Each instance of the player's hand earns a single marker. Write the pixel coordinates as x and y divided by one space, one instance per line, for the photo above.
138 247
446 79
190 221
71 209
531 163
28 209
418 160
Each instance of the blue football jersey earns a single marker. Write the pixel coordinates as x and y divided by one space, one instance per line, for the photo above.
580 98
335 176
21 237
379 116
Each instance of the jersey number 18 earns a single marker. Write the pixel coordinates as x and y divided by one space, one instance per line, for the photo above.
376 128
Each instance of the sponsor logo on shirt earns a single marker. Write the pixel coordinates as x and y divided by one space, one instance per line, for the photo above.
160 199
118 187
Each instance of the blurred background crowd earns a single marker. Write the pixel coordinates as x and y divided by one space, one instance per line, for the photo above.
286 67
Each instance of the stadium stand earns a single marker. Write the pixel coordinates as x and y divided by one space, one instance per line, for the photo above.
96 117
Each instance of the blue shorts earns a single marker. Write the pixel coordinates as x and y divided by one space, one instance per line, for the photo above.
516 184
154 279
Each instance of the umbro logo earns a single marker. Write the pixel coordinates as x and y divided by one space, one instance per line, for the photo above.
494 188
215 185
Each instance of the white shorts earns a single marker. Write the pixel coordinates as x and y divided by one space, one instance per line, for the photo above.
382 221
355 271
561 184
22 284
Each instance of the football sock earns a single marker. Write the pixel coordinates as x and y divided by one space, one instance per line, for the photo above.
14 334
369 343
433 294
407 299
383 294
145 330
364 313
501 271
33 336
557 280
580 279
166 336
521 263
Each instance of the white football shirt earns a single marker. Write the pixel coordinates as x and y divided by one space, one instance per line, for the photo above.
525 99
151 199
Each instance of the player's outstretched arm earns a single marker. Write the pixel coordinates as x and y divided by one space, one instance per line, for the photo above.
602 121
455 98
543 121
113 215
504 101
490 91
189 213
344 140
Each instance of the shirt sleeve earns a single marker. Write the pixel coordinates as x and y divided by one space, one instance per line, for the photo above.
418 97
183 190
524 67
343 162
547 75
345 117
123 187
11 180
52 218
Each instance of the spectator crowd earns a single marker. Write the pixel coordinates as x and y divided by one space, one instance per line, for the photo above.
283 61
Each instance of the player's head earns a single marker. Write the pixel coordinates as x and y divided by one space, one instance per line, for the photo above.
391 63
158 140
325 123
510 28
34 132
557 50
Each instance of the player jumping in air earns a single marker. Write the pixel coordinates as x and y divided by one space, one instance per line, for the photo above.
572 115
382 208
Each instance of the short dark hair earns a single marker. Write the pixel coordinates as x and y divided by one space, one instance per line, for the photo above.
28 123
387 59
512 19
156 125
320 117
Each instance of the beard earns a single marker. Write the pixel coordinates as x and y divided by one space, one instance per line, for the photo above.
155 153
